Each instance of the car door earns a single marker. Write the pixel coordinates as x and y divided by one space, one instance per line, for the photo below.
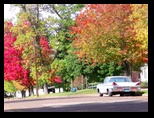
105 85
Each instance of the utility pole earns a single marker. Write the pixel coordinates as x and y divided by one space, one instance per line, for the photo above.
86 82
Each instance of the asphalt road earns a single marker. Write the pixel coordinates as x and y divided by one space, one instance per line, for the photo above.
92 103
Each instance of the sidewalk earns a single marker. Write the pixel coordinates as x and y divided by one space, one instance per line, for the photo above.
144 88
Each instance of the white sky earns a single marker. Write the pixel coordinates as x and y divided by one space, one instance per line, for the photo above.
10 13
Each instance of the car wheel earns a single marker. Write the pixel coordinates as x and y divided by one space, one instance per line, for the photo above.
97 90
100 94
109 93
133 94
121 94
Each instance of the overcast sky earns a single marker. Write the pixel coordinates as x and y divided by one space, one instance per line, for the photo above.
9 13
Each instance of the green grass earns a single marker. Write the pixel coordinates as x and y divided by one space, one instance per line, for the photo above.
79 92
142 92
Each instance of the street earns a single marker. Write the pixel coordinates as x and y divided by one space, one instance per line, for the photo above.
92 103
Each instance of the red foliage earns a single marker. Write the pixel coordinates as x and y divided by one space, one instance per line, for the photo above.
13 69
145 60
26 23
56 79
46 51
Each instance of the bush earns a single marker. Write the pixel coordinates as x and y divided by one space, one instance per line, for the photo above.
144 84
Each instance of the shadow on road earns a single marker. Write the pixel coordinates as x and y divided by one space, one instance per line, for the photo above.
37 99
127 106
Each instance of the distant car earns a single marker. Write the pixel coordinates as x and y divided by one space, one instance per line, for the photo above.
118 85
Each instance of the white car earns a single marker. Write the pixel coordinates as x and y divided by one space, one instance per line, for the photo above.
118 85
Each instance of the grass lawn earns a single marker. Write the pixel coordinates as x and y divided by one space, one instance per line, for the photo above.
145 91
142 92
79 92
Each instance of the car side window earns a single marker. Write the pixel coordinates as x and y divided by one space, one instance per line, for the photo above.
128 80
106 80
112 80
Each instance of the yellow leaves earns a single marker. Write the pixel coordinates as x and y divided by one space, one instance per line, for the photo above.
138 45
122 51
145 52
140 12
93 64
18 85
113 33
80 55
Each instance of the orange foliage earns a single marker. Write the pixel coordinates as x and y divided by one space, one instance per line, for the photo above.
103 31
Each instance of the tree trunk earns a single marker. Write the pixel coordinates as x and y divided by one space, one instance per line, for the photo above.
45 88
71 83
59 89
82 82
127 68
14 94
23 93
31 91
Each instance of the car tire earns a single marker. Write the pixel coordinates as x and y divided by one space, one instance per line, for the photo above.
109 93
101 94
133 94
121 94
97 90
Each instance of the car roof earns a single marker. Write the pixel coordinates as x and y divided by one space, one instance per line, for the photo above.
118 76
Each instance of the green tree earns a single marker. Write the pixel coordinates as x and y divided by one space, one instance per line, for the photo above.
54 27
61 42
31 33
9 86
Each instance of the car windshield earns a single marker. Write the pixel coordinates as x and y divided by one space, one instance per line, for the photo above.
120 80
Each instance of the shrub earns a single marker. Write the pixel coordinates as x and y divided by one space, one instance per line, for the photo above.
144 84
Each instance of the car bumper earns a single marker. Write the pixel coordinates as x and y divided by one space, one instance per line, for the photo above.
126 90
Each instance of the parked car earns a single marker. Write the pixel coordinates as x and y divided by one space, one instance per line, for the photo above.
118 85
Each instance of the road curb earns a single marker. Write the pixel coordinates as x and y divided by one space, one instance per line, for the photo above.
145 95
62 96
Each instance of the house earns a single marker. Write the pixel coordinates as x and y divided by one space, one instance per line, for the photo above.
18 94
139 76
144 73
135 76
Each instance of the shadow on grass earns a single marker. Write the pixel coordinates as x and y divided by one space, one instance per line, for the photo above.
140 93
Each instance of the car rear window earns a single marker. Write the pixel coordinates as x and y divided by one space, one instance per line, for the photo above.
120 80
